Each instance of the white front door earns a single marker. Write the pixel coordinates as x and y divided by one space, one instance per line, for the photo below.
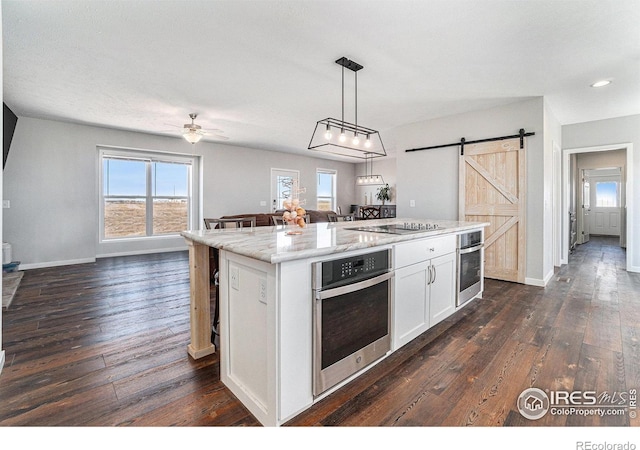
606 212
280 186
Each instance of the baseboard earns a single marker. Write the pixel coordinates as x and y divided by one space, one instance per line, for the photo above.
143 252
539 282
635 269
67 262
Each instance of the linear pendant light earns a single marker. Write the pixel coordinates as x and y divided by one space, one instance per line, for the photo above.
368 179
345 138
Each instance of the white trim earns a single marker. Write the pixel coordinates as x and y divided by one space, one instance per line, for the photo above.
628 146
67 262
1 360
143 252
539 282
194 196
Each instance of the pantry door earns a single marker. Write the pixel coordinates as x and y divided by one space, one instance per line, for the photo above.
493 189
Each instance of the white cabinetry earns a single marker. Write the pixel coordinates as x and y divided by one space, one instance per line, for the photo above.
425 286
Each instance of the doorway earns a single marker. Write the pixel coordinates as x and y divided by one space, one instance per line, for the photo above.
574 196
281 182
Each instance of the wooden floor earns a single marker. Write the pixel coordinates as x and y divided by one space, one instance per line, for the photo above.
104 344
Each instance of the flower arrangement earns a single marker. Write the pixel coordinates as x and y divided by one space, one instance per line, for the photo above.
384 193
294 214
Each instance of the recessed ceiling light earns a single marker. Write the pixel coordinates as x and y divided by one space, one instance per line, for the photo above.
601 83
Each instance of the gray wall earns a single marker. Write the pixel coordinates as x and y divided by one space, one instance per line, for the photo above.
602 133
51 181
430 177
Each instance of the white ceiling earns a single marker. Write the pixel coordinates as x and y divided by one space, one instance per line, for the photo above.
264 71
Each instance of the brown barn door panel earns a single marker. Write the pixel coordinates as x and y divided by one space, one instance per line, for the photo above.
493 189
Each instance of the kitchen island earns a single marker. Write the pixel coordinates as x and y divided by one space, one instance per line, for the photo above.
267 302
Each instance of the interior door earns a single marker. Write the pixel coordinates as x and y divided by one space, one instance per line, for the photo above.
281 182
586 207
493 189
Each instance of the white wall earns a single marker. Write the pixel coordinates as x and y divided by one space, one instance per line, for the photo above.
430 177
610 133
552 195
51 181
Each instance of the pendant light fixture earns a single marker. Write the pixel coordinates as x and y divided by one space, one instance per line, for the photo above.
368 179
345 138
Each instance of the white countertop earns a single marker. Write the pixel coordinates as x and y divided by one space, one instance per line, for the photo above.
273 245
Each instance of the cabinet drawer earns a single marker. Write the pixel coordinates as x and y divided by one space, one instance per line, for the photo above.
412 252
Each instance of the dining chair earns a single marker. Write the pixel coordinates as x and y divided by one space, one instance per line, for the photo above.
277 220
370 212
240 222
341 217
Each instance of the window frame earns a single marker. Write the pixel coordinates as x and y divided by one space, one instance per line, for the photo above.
148 156
333 198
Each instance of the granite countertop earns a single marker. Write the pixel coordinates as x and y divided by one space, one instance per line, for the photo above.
273 244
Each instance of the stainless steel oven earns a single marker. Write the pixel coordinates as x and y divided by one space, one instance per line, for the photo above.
470 276
351 316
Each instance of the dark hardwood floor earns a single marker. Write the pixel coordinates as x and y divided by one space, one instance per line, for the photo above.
104 344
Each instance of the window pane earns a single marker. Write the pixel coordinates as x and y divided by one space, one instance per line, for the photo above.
124 177
325 184
325 194
283 185
170 179
607 194
124 218
170 215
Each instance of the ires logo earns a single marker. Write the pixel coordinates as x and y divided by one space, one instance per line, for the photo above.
587 398
534 403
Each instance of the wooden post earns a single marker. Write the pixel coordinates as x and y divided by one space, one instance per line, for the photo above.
200 313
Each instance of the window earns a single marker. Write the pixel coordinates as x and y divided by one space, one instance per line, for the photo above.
145 194
607 194
326 190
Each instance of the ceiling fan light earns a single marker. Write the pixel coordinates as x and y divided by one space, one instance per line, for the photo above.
192 136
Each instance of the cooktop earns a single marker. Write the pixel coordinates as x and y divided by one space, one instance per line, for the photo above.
402 228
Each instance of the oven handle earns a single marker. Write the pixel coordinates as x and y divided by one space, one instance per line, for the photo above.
321 295
464 251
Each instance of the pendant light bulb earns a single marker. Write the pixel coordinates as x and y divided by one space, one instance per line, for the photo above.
356 139
343 137
367 143
328 135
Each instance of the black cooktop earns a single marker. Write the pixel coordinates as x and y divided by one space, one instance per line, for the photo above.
402 228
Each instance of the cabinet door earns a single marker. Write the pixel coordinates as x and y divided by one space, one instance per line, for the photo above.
442 301
411 303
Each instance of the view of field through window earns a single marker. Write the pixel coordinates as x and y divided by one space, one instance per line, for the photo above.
144 197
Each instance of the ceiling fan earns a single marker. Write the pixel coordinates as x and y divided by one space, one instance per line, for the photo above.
193 132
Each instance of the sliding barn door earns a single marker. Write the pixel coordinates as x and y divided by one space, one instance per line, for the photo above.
493 189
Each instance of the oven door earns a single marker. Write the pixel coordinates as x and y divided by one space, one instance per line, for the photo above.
351 329
469 273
